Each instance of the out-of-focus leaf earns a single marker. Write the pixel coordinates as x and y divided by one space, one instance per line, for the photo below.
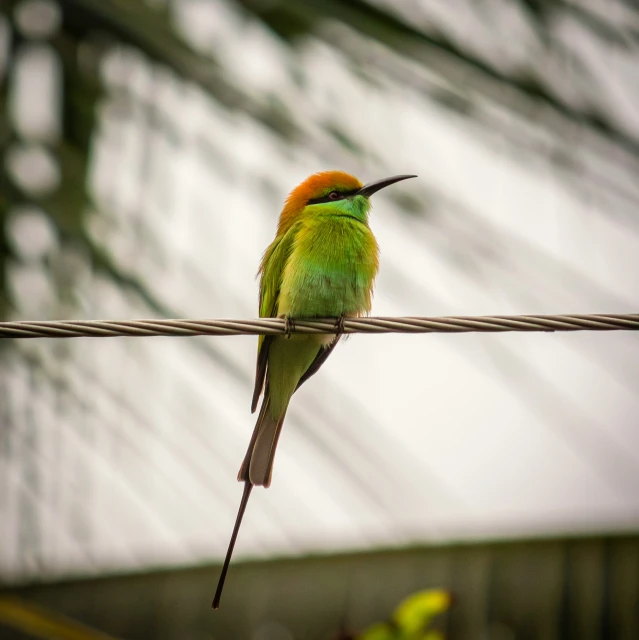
415 613
412 617
380 631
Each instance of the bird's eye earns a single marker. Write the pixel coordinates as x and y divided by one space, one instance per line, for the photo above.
334 195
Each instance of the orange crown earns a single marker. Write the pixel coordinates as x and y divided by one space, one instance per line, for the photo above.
315 186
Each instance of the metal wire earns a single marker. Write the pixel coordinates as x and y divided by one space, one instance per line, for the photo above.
278 326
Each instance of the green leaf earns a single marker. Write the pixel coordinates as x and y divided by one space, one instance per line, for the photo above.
415 613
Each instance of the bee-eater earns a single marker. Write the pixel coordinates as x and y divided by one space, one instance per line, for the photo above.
322 263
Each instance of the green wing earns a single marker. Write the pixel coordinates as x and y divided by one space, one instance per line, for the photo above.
271 270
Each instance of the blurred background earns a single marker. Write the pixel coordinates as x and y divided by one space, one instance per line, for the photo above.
147 148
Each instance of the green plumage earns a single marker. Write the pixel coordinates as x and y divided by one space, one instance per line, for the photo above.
324 265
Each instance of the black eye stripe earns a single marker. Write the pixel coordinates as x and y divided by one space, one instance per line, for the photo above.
342 196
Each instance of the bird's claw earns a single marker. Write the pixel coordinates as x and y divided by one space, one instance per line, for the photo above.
339 327
289 326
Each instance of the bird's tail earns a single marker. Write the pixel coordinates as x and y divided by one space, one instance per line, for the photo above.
257 465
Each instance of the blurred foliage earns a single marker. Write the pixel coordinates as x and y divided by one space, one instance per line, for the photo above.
579 588
413 618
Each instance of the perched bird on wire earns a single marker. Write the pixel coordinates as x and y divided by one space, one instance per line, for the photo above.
322 263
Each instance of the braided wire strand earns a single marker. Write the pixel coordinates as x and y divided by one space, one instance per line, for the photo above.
278 326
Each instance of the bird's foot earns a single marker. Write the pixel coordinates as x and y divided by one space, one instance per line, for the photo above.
339 327
289 326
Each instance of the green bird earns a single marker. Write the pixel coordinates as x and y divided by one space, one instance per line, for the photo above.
322 263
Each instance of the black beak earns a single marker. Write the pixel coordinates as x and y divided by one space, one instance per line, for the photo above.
373 187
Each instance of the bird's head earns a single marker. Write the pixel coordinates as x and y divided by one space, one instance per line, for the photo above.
332 192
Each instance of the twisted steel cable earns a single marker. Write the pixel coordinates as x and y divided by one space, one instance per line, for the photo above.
278 326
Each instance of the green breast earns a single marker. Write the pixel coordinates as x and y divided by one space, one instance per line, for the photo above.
331 269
